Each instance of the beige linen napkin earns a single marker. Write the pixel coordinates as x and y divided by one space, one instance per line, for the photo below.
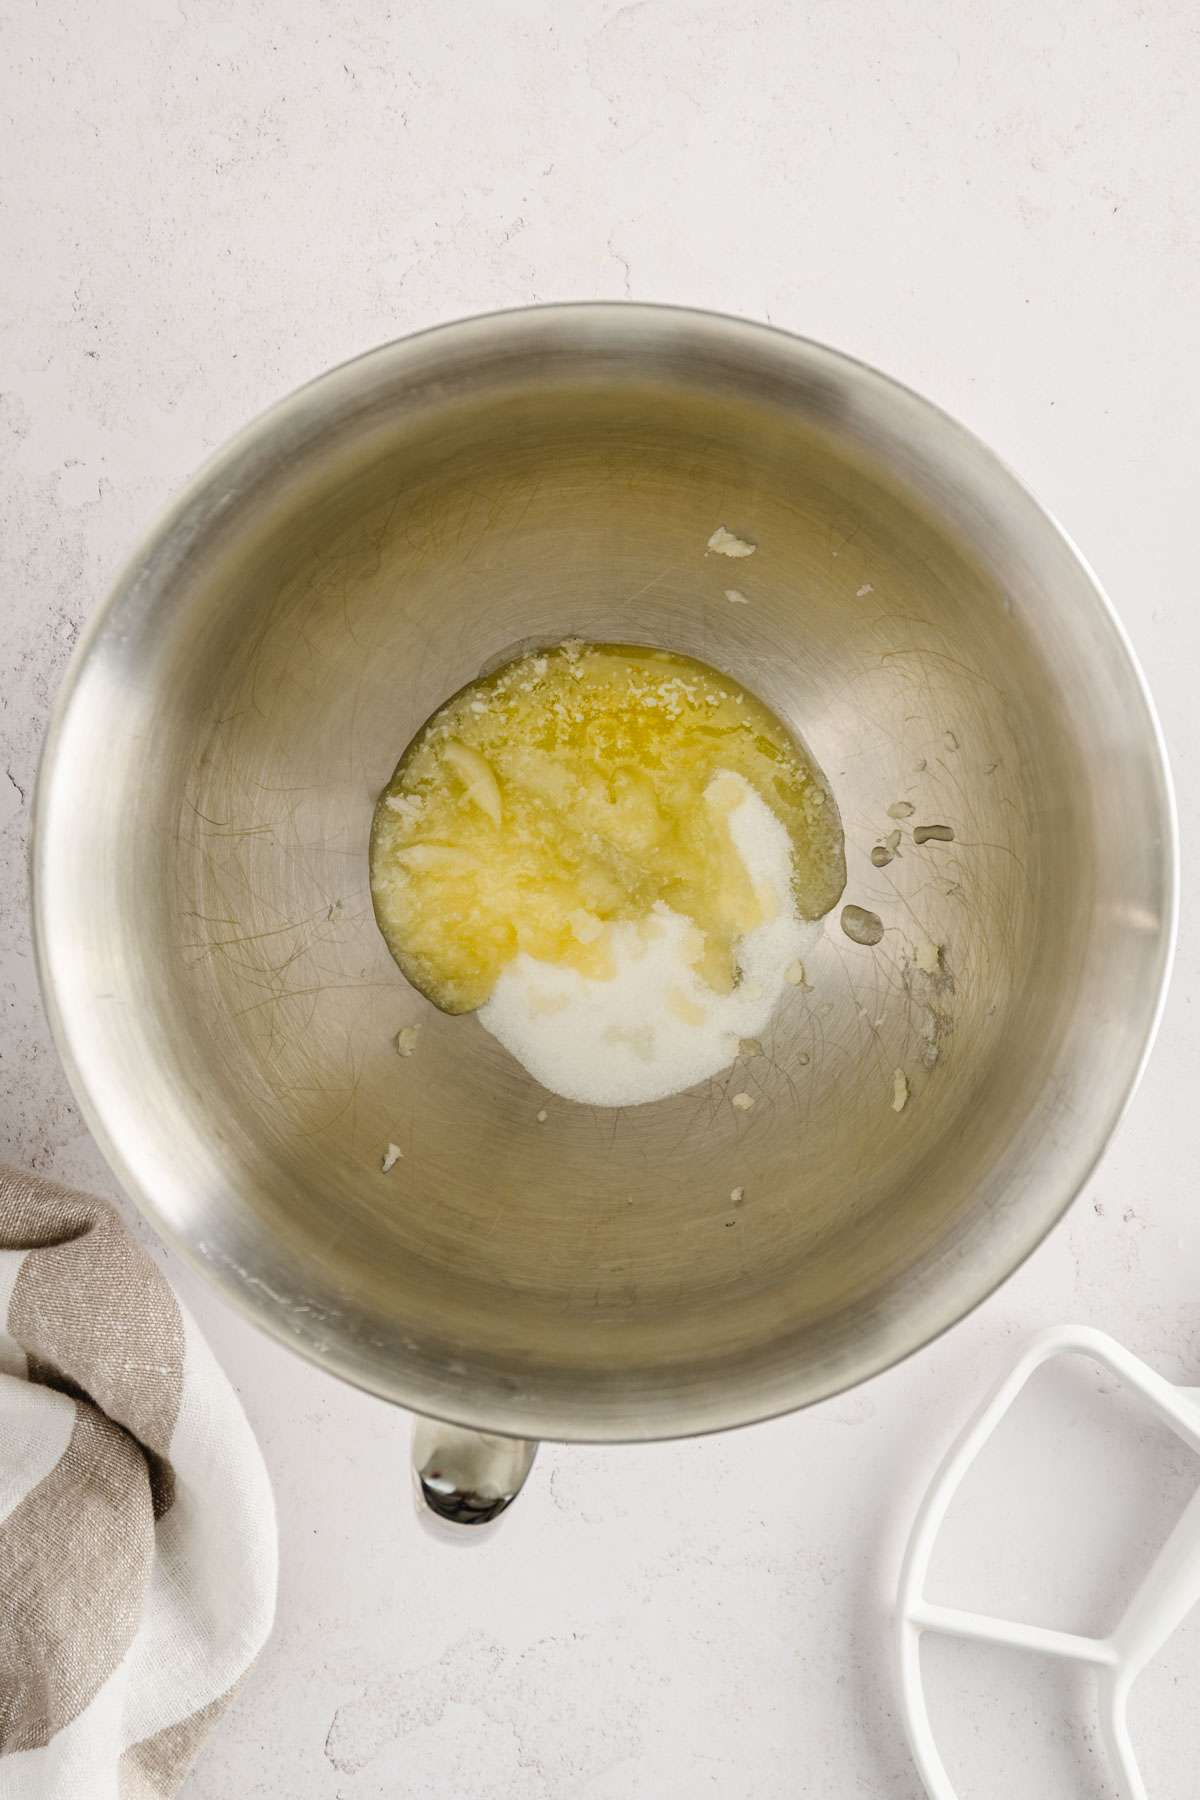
137 1530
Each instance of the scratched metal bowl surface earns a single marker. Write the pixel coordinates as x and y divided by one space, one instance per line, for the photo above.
226 1006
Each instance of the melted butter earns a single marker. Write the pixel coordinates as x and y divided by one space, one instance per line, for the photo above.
575 788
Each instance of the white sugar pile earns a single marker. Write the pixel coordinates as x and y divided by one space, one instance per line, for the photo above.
656 1028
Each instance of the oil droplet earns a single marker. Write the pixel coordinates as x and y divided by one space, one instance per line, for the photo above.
861 926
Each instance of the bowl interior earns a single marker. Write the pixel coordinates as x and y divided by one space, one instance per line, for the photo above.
230 1010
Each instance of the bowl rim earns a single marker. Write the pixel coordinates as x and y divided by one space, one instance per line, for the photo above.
214 476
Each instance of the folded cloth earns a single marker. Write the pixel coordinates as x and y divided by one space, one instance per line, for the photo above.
137 1529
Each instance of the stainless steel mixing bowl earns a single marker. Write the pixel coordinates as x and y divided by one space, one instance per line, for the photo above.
227 1009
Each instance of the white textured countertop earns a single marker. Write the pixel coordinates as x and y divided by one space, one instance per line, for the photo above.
203 204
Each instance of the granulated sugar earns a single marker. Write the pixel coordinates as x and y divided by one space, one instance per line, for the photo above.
656 1028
